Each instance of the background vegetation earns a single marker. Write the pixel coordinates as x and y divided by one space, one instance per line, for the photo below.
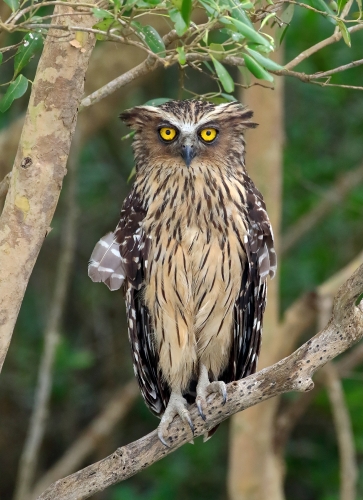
323 142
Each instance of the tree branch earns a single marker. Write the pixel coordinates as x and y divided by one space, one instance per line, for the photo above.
40 166
329 201
34 438
101 427
290 374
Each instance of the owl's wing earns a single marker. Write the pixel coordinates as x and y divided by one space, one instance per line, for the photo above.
250 305
120 258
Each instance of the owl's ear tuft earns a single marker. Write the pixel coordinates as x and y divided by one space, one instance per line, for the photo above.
139 116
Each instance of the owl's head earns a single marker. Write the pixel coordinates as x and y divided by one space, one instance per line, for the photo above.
190 131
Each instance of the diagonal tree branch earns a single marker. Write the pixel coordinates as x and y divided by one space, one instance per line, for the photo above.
290 374
34 438
40 165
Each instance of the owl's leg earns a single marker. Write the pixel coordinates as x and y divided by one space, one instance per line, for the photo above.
205 387
177 406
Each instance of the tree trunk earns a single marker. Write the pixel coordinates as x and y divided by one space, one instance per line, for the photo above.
255 472
40 163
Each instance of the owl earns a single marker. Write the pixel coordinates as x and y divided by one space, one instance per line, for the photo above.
192 252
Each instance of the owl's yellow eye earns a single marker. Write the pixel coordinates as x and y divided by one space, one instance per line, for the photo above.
167 133
208 134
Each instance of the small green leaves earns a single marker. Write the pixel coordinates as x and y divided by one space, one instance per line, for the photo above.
256 69
181 55
237 12
322 6
102 14
223 75
15 90
264 61
13 4
179 24
286 18
345 33
186 11
32 43
250 33
151 37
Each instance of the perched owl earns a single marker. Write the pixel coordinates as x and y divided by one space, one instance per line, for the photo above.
192 251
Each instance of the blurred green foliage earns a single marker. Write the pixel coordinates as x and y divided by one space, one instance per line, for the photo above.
323 140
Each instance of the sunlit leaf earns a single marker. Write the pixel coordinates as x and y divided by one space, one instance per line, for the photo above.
181 55
256 69
264 61
223 75
32 43
186 11
179 24
13 4
15 90
102 14
344 31
322 6
151 37
250 33
106 25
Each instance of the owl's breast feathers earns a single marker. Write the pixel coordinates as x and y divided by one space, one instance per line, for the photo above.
195 249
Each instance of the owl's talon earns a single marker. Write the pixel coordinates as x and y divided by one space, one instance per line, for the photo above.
176 407
200 408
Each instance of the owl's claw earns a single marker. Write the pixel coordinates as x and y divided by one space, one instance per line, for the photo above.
204 388
176 407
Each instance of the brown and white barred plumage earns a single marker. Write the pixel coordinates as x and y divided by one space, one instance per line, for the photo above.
193 249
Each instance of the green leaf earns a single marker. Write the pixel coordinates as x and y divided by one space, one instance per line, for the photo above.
237 12
217 47
321 5
32 43
106 25
186 11
13 4
251 34
157 102
359 3
345 33
151 37
102 14
256 69
15 90
181 55
179 24
223 75
1 57
286 18
264 61
132 174
246 75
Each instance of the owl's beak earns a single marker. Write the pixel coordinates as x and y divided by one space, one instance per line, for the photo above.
188 153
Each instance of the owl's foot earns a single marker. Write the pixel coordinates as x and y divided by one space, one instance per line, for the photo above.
176 407
204 388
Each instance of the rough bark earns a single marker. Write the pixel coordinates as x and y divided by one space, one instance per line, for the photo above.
255 473
40 163
290 374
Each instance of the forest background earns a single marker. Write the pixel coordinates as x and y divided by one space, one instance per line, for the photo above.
311 139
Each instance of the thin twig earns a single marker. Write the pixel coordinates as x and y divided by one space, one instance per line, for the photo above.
331 199
29 457
101 427
335 37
